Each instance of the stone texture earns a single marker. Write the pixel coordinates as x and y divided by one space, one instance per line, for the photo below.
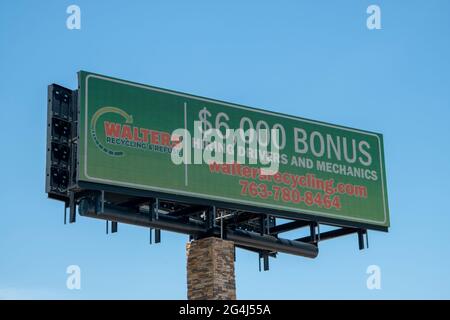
210 269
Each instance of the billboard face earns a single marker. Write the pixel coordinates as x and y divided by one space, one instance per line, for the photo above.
324 170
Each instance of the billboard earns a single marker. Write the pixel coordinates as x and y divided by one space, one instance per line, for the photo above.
323 170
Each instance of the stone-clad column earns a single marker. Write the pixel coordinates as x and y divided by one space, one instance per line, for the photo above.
210 269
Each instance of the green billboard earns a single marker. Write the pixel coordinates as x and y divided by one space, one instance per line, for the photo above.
323 170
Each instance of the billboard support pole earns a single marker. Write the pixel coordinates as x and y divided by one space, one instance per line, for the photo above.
213 254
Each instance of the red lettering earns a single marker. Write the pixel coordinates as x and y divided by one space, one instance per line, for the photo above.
226 168
154 137
255 172
136 134
112 129
277 177
214 167
145 133
165 139
246 172
126 132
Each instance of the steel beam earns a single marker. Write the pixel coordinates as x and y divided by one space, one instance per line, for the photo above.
289 226
114 226
243 238
72 206
113 213
269 253
187 211
157 235
329 235
266 242
243 218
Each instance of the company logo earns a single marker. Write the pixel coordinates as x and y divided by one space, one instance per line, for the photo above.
128 119
125 134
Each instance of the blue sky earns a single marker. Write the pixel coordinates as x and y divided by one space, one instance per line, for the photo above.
314 59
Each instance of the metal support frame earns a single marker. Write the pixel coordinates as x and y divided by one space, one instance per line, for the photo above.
240 237
244 217
156 209
268 224
114 226
157 235
361 244
156 217
72 206
265 259
312 231
188 211
266 262
262 237
66 205
367 239
272 254
221 225
102 201
210 220
289 226
262 224
329 235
